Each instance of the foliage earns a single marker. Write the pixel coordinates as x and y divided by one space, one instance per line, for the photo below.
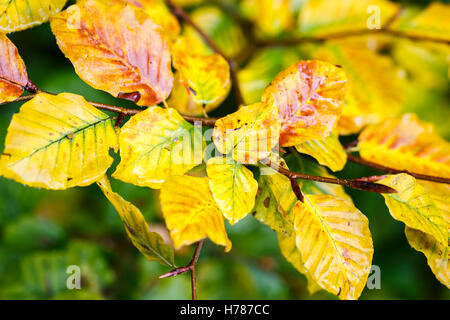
289 81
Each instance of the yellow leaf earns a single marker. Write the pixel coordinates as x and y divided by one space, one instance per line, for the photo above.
250 133
13 74
206 78
271 17
309 96
328 151
58 142
18 15
413 206
406 144
375 88
220 27
261 69
150 244
335 244
232 186
431 22
290 252
116 48
437 253
324 17
191 213
155 144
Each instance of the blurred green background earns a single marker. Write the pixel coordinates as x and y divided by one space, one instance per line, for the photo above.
43 232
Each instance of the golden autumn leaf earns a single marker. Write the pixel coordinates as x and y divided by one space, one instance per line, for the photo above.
324 17
13 74
58 142
335 244
233 187
375 88
413 206
309 96
116 48
249 133
150 244
206 78
23 14
191 213
271 17
327 151
437 253
155 144
431 22
406 143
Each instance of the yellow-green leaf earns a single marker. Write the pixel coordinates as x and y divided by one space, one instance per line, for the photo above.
155 144
335 244
18 15
233 187
206 78
13 74
324 17
431 22
150 244
437 253
407 144
58 142
191 213
327 151
261 70
116 48
309 96
413 206
249 133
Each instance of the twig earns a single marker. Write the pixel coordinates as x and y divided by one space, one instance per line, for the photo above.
382 168
359 184
190 267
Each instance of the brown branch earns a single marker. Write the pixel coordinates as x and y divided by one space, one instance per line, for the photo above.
382 168
359 184
183 16
207 122
190 267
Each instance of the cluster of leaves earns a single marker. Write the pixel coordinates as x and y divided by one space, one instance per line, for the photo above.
137 50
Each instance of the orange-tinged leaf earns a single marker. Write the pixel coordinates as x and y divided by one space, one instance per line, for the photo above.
335 244
58 142
150 244
155 144
408 144
191 213
206 78
309 96
233 187
13 74
18 15
117 48
249 133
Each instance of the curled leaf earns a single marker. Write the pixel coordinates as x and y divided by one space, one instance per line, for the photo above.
13 74
58 142
309 96
116 48
249 133
155 144
191 213
150 244
233 187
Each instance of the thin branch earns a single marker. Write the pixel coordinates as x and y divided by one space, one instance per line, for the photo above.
190 267
183 16
207 122
382 168
359 184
